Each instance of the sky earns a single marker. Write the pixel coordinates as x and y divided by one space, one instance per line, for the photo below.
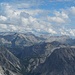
54 17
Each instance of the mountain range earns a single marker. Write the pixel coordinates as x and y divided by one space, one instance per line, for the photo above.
30 54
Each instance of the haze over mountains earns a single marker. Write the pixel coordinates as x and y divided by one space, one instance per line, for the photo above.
28 54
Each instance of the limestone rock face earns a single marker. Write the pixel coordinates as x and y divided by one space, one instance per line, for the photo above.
9 64
60 62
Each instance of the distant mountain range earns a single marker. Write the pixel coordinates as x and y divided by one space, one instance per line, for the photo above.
28 54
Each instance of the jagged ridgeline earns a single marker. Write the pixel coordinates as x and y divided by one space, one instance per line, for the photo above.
28 54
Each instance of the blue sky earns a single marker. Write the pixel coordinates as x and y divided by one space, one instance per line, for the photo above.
38 16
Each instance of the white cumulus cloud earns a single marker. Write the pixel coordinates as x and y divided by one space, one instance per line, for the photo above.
13 18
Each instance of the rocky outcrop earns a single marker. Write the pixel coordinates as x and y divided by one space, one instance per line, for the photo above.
9 64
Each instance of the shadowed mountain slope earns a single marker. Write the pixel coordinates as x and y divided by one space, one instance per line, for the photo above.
60 62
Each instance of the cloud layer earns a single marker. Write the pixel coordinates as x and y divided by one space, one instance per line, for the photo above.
23 18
